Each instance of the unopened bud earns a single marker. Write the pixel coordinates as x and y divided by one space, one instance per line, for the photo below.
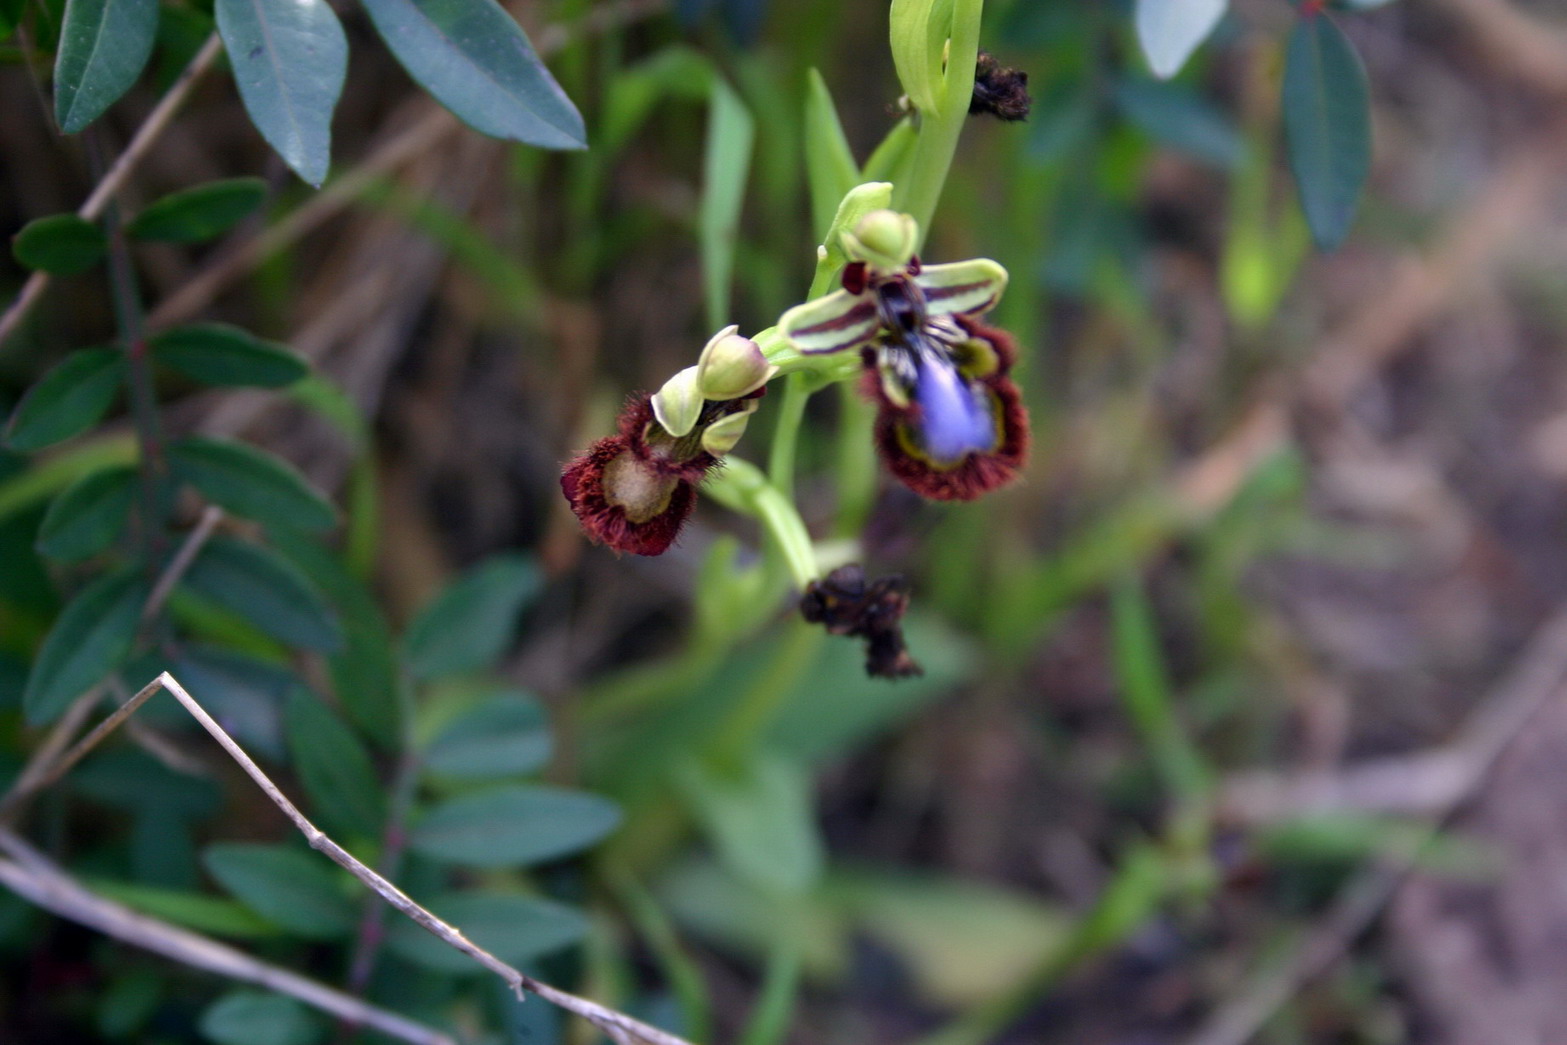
679 403
732 366
883 239
722 435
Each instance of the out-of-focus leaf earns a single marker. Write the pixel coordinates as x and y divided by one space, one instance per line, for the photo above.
44 478
91 637
258 1018
334 767
516 929
829 162
725 166
1327 125
163 851
760 817
130 779
513 826
467 626
1170 30
67 400
129 1002
478 63
88 515
59 244
267 590
244 692
10 14
289 59
365 676
224 356
207 914
251 483
104 46
913 28
506 735
1181 119
1348 838
296 891
199 213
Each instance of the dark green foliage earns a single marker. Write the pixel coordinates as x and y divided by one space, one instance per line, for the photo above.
473 57
334 767
200 213
67 400
60 244
516 929
225 356
104 45
257 1018
88 515
1327 124
505 735
513 826
267 590
469 624
251 483
295 889
91 637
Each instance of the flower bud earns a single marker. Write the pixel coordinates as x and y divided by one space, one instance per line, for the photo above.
732 366
722 435
884 239
679 403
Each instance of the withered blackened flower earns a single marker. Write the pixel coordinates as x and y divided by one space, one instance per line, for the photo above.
999 91
846 604
633 492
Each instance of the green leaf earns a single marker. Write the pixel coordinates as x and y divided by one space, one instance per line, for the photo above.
251 483
200 213
130 779
467 626
1327 126
334 767
91 637
207 914
516 929
760 817
294 890
224 356
513 826
365 674
87 517
267 590
506 735
725 166
242 691
104 44
67 400
258 1018
473 57
916 31
1170 30
289 59
829 162
1181 119
59 244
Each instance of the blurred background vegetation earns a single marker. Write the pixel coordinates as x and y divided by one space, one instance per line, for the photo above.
1241 718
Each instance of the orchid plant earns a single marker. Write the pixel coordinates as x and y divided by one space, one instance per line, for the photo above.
950 423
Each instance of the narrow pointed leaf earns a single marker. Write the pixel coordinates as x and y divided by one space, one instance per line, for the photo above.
251 483
1170 30
1327 126
223 356
67 400
267 590
199 213
289 59
87 517
730 134
478 63
104 45
59 244
91 637
829 162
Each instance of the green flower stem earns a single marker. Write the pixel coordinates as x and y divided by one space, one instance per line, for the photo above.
939 131
742 487
786 437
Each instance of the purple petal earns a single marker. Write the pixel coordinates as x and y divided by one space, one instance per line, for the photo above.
955 418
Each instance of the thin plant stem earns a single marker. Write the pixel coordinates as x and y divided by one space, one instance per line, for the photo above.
37 879
937 142
36 775
211 515
151 128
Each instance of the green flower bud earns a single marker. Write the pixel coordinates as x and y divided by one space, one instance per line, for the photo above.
883 239
721 436
732 366
679 403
